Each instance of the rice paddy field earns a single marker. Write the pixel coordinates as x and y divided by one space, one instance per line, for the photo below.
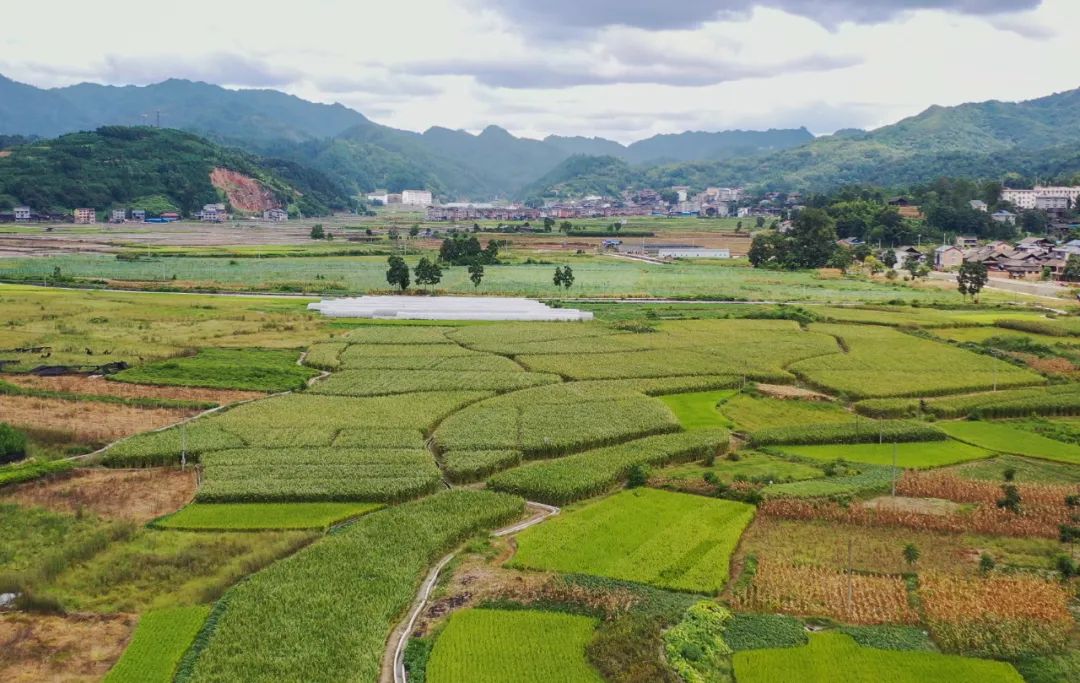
653 551
269 490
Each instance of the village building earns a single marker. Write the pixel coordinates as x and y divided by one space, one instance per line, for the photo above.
85 216
118 216
947 257
1004 217
979 205
416 198
213 213
22 213
138 215
966 241
276 215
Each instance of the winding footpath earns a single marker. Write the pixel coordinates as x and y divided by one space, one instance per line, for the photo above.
393 669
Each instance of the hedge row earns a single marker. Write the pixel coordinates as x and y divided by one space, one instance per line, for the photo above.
847 433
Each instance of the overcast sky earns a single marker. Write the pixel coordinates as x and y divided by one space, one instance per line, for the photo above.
622 69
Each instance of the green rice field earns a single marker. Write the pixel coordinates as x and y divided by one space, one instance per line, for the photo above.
520 646
836 658
161 639
598 538
257 516
699 410
908 455
1006 438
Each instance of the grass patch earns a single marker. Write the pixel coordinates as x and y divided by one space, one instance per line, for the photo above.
699 410
748 466
759 631
836 656
249 369
28 470
866 479
670 540
1006 438
161 639
750 413
160 569
523 646
263 516
1025 470
908 455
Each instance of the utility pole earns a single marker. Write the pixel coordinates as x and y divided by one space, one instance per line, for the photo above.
183 446
850 588
894 469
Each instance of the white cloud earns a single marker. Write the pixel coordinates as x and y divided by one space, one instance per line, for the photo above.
625 69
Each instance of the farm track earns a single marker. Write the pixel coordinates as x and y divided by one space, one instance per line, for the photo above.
393 666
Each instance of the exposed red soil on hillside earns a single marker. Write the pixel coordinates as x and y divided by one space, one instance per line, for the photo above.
245 193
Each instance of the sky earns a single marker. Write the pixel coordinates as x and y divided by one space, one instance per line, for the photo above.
620 69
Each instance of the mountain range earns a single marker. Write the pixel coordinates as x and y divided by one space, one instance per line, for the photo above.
982 140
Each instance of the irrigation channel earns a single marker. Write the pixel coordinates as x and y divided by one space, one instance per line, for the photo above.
394 657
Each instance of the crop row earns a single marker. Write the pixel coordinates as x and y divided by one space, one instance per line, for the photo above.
466 466
882 362
998 616
29 470
1053 328
325 355
553 429
313 606
594 472
869 478
817 591
387 382
336 474
948 486
1033 520
853 432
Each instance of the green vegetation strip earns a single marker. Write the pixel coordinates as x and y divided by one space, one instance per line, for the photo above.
249 369
853 432
591 473
160 641
669 540
523 646
32 469
324 614
698 410
919 455
259 516
1008 439
834 656
8 389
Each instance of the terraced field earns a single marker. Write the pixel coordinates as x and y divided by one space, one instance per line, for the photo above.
701 510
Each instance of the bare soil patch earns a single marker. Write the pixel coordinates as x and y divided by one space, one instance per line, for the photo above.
784 391
99 386
85 421
70 648
136 495
922 506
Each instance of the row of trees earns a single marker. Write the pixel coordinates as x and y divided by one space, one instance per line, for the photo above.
429 273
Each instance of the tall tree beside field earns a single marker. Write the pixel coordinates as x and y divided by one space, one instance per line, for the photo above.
427 272
972 278
810 243
567 277
397 273
476 273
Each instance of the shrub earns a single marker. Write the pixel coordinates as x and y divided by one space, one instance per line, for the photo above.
759 631
12 443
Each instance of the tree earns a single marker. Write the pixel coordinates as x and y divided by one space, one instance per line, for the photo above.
1072 269
476 273
566 226
912 264
986 563
639 476
888 257
760 222
558 277
669 197
567 277
414 231
549 224
397 273
428 272
317 232
1011 500
972 278
911 554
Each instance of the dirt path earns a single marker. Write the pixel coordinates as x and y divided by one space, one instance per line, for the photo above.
393 664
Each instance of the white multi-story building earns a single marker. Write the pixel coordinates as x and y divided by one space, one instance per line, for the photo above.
118 216
1050 196
416 198
22 213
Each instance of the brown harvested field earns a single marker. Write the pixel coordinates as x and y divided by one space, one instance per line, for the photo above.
136 495
881 549
85 421
61 649
923 506
785 391
99 386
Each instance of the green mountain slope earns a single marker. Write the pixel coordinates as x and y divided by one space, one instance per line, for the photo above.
115 166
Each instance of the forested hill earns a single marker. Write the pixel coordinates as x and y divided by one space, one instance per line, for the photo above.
989 140
156 169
